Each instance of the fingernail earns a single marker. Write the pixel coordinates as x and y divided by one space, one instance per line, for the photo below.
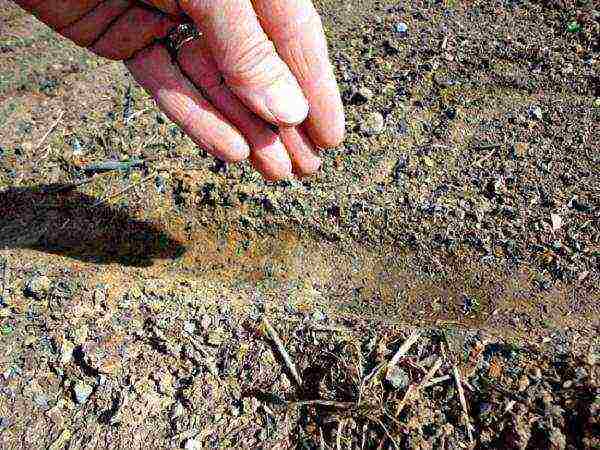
286 103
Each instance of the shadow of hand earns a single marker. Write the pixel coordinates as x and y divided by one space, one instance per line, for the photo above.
68 224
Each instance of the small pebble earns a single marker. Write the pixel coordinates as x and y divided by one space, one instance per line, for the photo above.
536 112
401 28
372 124
567 384
366 93
82 392
397 377
318 316
189 327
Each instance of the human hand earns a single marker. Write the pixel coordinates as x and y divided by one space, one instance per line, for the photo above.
258 62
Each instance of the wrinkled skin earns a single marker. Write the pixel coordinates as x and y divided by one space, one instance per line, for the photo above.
257 63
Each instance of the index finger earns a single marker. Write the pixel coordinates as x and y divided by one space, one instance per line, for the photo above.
295 28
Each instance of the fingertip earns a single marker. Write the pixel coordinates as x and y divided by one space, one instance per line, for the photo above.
237 152
302 151
326 123
272 161
286 104
309 169
330 136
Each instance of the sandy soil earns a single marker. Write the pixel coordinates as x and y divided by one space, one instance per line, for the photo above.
470 215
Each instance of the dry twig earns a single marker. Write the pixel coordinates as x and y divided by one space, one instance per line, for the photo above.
284 354
437 380
329 403
4 264
122 191
414 390
414 337
49 131
434 368
463 402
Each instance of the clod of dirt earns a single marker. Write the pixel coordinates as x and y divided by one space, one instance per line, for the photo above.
38 287
372 124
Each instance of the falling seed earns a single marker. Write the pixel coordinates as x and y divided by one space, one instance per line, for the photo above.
556 222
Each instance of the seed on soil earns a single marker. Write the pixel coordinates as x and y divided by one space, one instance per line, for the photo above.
38 287
372 124
82 391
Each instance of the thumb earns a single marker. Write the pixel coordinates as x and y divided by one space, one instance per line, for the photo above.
248 60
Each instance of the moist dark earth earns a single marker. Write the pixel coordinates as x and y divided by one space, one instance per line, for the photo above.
436 285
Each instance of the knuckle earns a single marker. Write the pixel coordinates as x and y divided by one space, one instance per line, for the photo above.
255 62
292 30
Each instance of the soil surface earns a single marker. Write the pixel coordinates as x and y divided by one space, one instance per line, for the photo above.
437 285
